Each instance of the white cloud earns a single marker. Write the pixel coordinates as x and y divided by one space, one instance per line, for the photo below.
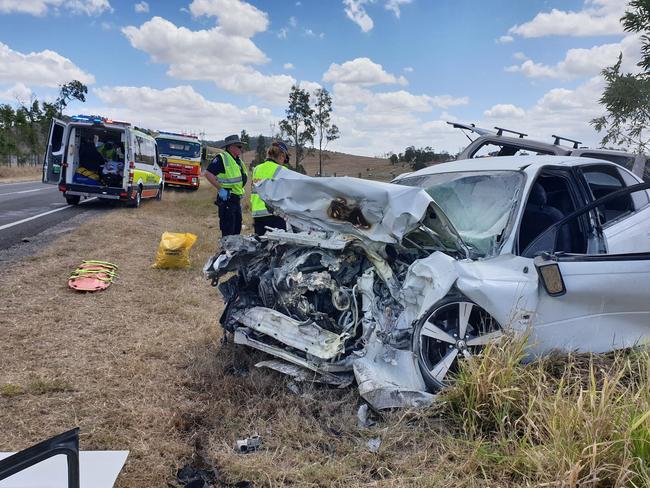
505 111
226 55
17 92
236 18
141 7
43 7
180 108
597 18
282 33
293 22
182 47
361 71
520 56
562 111
369 121
408 69
505 39
446 101
44 68
288 66
357 13
394 6
584 62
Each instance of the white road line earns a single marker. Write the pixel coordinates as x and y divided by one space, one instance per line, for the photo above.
12 224
27 191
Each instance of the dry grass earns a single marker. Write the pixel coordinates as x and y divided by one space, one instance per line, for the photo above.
116 362
10 174
140 367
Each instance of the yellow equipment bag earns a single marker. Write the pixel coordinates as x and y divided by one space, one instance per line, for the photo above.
174 250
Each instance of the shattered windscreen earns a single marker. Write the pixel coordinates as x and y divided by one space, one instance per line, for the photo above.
479 204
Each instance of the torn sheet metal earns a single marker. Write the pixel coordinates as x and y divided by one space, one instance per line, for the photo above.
303 374
390 378
304 336
370 210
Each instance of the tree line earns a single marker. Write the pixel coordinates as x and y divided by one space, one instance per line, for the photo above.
419 158
24 130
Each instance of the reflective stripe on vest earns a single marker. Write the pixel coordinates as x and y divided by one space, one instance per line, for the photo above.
232 178
265 171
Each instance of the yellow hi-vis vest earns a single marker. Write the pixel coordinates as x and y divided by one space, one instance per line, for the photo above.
232 178
265 171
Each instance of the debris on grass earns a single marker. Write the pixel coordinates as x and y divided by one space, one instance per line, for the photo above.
374 444
247 445
363 417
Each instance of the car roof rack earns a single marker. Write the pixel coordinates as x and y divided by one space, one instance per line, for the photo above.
558 139
471 127
501 130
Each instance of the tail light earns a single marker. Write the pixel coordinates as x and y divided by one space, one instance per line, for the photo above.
131 168
62 188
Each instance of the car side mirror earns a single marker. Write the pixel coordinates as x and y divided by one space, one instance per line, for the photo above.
162 162
550 275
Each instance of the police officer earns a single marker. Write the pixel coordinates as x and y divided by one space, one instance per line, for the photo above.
108 151
228 175
276 157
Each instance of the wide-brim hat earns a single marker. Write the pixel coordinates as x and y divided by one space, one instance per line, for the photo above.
230 140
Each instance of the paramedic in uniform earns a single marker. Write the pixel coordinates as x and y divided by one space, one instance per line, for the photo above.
277 156
227 174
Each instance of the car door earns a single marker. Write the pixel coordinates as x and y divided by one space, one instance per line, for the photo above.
56 145
602 303
625 220
592 302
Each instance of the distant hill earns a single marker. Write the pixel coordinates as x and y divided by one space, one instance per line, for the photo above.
341 164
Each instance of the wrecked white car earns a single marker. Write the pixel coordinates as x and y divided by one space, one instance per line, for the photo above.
392 284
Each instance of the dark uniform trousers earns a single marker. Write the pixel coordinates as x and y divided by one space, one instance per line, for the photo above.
229 215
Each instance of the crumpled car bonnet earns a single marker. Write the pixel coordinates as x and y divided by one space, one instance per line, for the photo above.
371 210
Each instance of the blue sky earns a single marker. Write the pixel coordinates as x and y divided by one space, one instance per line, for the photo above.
397 69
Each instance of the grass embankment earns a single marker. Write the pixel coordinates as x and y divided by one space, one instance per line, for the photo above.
10 174
140 367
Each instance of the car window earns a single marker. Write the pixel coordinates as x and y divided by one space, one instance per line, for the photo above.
489 149
550 239
550 199
639 198
603 180
621 159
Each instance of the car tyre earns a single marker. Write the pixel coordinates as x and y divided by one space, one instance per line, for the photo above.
159 195
453 328
73 199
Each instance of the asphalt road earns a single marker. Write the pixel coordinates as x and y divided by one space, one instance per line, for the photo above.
29 208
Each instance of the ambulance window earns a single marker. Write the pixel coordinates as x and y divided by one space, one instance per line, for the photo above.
57 138
144 151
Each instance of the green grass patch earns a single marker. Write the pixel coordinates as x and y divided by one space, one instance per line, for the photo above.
10 390
42 386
